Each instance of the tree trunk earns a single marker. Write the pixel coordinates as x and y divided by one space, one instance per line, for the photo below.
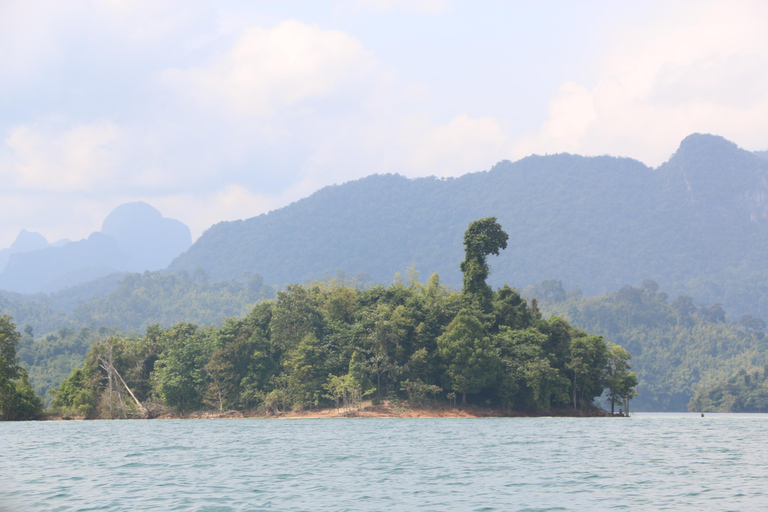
574 395
464 399
138 404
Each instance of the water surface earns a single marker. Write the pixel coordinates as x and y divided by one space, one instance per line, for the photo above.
649 461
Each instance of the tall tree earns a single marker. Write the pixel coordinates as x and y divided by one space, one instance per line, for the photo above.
470 359
483 237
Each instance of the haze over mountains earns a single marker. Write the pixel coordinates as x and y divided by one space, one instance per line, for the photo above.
135 237
697 225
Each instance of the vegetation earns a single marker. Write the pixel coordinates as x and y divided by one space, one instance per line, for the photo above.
17 398
745 391
695 225
58 330
676 346
331 343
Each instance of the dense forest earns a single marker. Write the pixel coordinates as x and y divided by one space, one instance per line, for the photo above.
695 225
677 346
17 398
744 391
57 331
332 343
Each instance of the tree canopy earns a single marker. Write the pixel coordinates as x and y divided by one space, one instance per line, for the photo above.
330 343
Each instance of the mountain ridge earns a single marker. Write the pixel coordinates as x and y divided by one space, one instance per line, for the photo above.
595 222
135 237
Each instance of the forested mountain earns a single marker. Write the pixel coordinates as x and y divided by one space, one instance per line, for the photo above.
696 225
135 237
677 346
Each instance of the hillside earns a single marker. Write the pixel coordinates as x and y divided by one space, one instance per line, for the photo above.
677 347
696 225
59 329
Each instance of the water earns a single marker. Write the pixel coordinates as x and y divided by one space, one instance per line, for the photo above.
648 462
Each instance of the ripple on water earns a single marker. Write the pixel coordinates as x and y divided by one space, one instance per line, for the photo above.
675 462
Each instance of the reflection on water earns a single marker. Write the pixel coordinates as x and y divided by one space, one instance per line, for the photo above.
649 461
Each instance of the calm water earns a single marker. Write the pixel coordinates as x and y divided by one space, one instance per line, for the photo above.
650 461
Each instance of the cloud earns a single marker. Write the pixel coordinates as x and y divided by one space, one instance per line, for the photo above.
267 70
462 145
232 202
40 158
699 68
415 6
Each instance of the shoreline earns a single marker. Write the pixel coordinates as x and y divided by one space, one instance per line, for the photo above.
385 409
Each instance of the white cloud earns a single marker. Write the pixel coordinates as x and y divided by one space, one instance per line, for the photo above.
233 202
462 145
270 69
56 216
41 158
700 68
416 6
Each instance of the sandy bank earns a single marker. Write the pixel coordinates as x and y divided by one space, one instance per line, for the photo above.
368 410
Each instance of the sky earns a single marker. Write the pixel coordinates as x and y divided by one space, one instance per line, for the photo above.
224 110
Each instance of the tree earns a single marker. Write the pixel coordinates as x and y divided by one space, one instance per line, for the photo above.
304 369
471 363
17 399
589 356
510 310
180 377
295 314
483 237
620 381
528 379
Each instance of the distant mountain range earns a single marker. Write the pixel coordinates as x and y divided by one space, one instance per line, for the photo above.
135 237
697 225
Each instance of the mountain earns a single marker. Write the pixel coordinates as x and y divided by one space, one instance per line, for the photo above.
696 225
26 241
150 240
135 237
381 224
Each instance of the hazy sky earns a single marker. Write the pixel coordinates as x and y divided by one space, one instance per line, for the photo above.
223 110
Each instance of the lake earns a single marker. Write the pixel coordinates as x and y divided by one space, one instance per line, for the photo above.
646 462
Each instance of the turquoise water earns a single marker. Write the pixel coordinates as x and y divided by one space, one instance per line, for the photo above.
647 462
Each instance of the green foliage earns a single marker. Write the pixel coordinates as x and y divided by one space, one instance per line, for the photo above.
51 358
697 224
620 381
327 343
483 237
676 346
67 329
742 392
471 363
77 394
167 299
179 375
17 398
25 404
407 338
